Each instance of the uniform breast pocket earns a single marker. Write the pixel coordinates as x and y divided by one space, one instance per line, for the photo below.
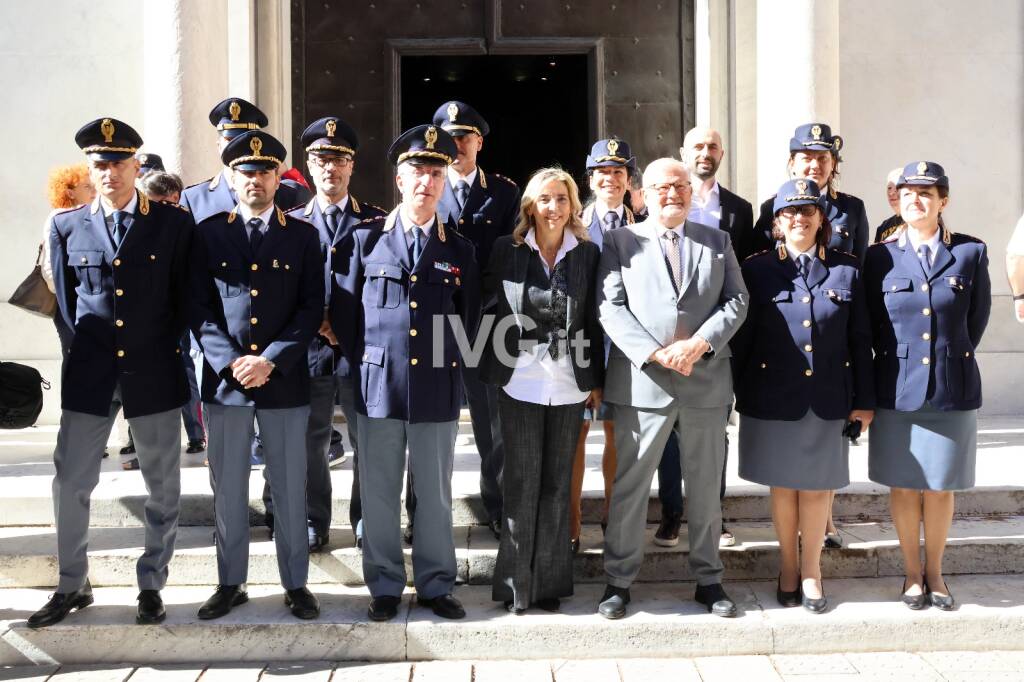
88 267
896 290
284 277
483 220
383 285
443 286
838 296
840 237
228 274
959 284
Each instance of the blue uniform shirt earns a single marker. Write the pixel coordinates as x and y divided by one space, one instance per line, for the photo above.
926 327
323 359
124 309
805 344
387 313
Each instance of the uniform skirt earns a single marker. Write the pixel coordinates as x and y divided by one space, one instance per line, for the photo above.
923 450
808 454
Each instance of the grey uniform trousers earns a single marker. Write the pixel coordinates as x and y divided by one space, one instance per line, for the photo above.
322 392
77 457
640 437
283 433
431 454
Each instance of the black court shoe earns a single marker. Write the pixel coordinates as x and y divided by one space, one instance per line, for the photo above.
787 599
943 602
913 602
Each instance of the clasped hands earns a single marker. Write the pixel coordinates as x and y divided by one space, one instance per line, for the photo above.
681 355
252 371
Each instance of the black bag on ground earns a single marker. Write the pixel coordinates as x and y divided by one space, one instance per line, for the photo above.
21 395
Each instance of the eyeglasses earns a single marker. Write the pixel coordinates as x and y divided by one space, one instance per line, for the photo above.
679 187
806 210
325 161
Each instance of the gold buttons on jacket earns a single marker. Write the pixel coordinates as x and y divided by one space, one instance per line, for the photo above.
119 323
926 336
334 250
119 292
805 299
847 363
924 287
413 304
117 262
808 348
412 278
414 361
808 372
807 323
925 361
926 312
461 221
253 347
254 267
152 257
120 353
254 320
224 264
454 364
764 365
967 354
383 271
254 292
413 332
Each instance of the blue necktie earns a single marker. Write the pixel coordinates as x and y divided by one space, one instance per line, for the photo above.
924 253
417 244
803 264
255 236
462 192
119 228
332 219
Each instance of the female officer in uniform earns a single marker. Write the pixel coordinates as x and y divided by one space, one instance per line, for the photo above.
814 155
929 298
802 368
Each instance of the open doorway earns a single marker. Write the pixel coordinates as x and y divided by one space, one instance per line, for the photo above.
538 106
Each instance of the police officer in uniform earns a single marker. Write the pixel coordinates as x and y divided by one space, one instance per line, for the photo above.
119 272
609 167
258 300
395 288
814 155
232 117
330 146
482 207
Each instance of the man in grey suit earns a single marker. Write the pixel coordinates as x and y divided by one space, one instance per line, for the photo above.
672 296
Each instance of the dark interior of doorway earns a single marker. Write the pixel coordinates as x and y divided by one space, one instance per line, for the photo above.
536 105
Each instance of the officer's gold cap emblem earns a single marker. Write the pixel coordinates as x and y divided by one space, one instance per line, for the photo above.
613 147
430 137
256 145
801 186
107 128
453 111
922 167
331 126
235 110
816 132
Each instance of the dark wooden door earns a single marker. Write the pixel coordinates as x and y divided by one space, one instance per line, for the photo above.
347 60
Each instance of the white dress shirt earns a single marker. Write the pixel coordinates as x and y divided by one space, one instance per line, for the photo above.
454 177
408 225
246 213
600 212
323 204
537 378
708 212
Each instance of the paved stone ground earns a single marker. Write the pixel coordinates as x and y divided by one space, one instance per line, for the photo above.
991 666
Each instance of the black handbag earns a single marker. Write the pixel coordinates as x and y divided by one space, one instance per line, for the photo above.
21 395
33 295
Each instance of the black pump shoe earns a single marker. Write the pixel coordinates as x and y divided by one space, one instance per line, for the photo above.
915 602
787 599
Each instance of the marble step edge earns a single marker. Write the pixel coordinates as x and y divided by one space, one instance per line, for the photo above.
861 501
28 555
663 620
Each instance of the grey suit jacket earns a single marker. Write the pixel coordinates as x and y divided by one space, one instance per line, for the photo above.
641 312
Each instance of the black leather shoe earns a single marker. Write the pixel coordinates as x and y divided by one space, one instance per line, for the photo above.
943 602
914 602
303 603
551 604
59 606
514 610
194 447
223 600
130 448
445 606
785 598
268 521
151 608
818 605
383 608
613 603
716 600
495 528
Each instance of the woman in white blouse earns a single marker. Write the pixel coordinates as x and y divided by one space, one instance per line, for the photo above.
545 351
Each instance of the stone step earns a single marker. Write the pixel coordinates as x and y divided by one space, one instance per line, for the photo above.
985 545
663 621
119 499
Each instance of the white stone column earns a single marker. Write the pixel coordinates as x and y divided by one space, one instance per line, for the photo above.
184 75
797 78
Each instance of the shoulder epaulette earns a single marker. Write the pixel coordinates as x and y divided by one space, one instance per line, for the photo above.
373 206
847 254
202 182
968 238
759 253
889 231
508 180
171 203
374 219
60 211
